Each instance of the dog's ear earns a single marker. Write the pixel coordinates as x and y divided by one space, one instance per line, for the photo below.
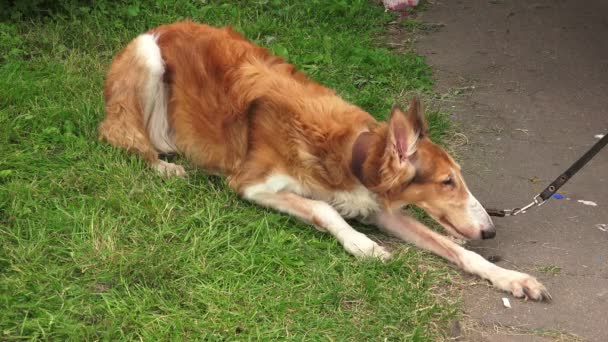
416 116
404 131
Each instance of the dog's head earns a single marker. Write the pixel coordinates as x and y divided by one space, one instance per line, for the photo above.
411 169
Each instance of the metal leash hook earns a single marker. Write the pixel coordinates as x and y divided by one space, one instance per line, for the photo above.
537 201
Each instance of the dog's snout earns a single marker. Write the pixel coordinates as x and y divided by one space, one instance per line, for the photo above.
489 233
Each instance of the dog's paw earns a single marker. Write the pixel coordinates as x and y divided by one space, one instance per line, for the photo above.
361 246
522 285
169 169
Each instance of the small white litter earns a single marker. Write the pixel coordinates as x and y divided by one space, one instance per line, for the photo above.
602 226
591 203
599 136
506 303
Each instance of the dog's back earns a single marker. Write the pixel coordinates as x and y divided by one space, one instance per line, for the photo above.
217 98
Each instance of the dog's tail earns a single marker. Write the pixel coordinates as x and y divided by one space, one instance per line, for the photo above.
135 88
154 93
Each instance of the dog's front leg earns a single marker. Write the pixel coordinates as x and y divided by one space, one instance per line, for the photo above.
324 217
409 229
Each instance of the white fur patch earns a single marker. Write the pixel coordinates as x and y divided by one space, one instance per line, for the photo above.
356 243
359 202
477 214
273 184
149 53
170 169
413 145
154 95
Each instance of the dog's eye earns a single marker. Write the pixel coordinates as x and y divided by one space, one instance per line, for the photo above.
447 181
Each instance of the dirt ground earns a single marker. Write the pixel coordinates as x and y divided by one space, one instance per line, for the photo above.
527 83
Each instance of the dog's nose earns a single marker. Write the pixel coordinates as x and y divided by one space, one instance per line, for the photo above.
488 233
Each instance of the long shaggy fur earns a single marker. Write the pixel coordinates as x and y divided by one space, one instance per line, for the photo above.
289 143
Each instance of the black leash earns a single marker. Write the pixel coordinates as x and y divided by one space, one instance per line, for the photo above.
540 199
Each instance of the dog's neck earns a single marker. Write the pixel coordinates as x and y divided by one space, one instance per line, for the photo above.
360 151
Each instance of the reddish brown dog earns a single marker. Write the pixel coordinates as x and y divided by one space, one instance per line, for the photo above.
289 143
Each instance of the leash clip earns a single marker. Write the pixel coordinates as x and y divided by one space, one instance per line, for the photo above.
537 201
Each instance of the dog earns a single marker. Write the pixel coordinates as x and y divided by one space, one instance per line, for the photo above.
288 143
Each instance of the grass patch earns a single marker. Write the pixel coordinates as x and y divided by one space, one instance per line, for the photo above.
551 269
94 245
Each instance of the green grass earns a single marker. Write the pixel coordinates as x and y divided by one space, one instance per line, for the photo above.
94 245
550 269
